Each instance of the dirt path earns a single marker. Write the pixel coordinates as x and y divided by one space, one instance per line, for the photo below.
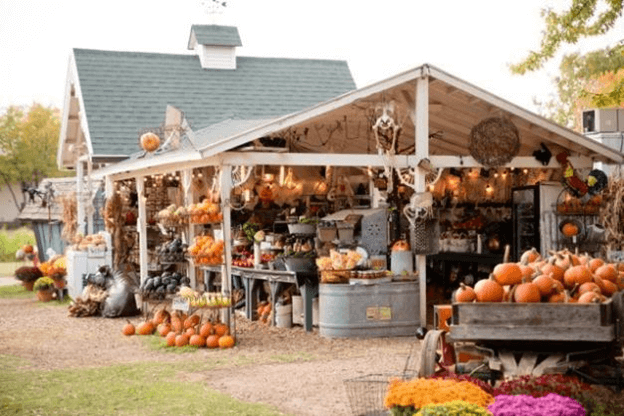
300 373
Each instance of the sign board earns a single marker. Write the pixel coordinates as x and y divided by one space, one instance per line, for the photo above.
378 313
179 304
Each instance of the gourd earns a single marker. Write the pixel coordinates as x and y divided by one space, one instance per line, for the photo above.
545 284
191 321
150 141
221 329
164 329
507 273
530 256
488 290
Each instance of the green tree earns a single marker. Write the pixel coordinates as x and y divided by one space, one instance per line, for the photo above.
28 144
583 19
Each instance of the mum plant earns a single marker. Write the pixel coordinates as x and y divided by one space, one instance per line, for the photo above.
28 274
44 283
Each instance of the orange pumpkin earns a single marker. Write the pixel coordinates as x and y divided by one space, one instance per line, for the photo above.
197 341
150 141
128 329
589 287
206 329
191 321
607 272
569 229
145 328
221 329
594 264
590 297
181 340
577 275
609 288
545 284
464 294
489 290
163 329
527 292
553 270
171 338
226 341
507 273
212 341
530 256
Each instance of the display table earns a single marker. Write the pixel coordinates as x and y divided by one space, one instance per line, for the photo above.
373 310
307 283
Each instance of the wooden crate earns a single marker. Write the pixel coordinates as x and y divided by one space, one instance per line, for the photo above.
532 322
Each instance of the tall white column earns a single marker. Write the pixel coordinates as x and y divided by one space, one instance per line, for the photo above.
422 151
226 189
142 227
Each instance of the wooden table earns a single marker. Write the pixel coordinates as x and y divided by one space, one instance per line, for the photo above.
307 283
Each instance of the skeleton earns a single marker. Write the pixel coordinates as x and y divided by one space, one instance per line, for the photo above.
386 130
420 207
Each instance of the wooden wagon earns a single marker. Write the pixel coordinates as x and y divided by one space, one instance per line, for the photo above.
501 340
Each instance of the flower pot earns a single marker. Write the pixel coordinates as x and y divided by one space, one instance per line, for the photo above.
59 284
44 295
28 286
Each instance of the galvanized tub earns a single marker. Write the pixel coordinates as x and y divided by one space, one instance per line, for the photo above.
375 310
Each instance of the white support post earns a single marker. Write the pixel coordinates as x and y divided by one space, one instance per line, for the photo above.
226 189
142 228
422 151
109 186
89 199
80 208
187 181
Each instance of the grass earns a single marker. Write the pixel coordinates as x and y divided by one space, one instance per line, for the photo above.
14 292
129 389
13 240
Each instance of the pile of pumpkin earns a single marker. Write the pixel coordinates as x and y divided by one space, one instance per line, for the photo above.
562 277
180 330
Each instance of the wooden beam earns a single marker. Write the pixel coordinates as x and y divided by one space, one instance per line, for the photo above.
422 151
520 162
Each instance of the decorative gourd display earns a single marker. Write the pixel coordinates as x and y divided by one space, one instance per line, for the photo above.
150 142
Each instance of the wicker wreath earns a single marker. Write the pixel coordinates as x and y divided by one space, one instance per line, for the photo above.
494 141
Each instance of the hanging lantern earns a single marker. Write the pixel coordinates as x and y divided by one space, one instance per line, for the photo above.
150 141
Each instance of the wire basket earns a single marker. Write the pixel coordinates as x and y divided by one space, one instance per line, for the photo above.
425 237
366 393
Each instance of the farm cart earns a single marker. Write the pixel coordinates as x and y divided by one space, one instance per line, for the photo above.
502 340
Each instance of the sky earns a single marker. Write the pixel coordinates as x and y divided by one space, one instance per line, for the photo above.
475 41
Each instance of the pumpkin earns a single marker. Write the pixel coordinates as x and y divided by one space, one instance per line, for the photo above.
607 272
527 271
191 321
577 275
609 288
569 229
161 316
170 339
221 329
400 245
226 341
559 297
190 331
589 287
163 329
594 264
212 341
145 328
181 340
150 141
128 329
206 329
553 270
527 292
590 297
545 284
489 290
530 256
507 274
28 248
177 324
464 294
197 341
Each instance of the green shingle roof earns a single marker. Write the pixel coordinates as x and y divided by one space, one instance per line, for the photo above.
125 92
216 35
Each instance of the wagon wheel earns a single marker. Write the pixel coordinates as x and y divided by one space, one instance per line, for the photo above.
436 354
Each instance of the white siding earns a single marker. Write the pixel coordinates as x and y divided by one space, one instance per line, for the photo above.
217 57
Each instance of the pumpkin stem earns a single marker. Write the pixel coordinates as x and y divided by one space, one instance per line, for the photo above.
566 296
512 293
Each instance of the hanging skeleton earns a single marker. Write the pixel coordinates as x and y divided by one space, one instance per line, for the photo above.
420 207
386 130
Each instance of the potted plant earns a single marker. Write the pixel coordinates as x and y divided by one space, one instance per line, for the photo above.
44 286
28 275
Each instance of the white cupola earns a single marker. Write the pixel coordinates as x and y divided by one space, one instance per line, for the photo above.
215 45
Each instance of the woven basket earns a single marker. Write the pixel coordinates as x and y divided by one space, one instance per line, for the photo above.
335 276
494 142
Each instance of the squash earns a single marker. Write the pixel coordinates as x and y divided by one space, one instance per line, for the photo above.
170 339
577 275
530 256
145 328
607 272
163 329
226 341
212 341
128 329
553 270
181 340
545 284
221 329
595 264
206 329
590 297
197 341
507 274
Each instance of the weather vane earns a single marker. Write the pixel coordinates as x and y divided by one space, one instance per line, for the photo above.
213 7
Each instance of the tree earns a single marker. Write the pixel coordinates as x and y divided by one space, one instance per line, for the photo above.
583 80
28 144
584 18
